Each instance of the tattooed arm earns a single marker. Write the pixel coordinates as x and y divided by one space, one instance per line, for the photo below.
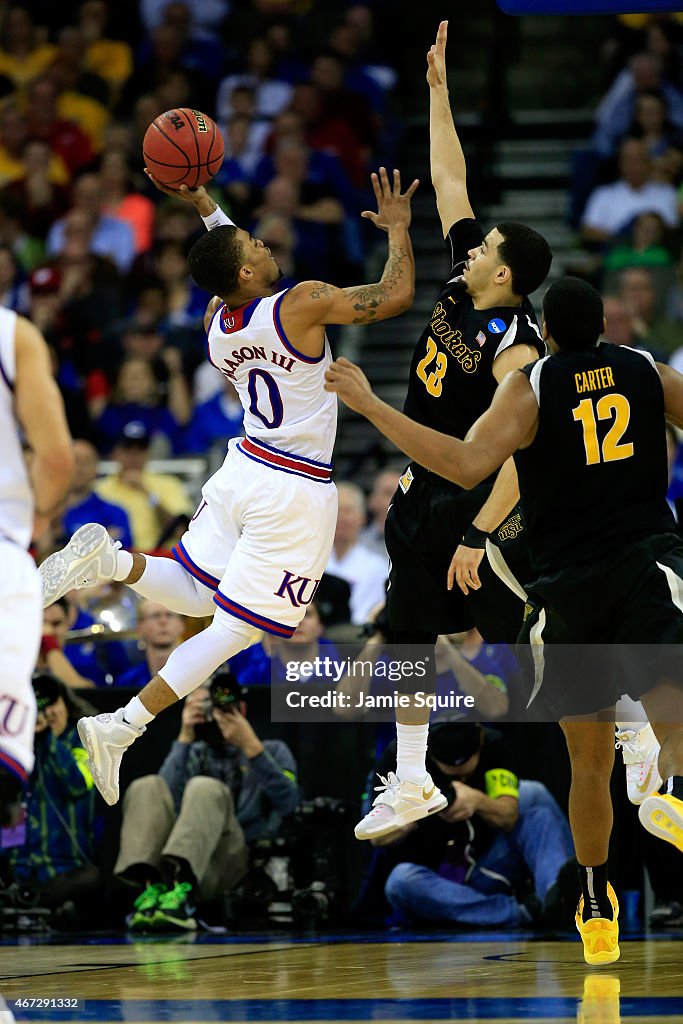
307 309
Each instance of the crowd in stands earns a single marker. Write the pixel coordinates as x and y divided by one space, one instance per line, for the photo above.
627 191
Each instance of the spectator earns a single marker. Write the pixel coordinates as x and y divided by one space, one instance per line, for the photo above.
121 201
644 247
654 332
343 104
467 665
617 109
58 619
22 54
166 57
137 396
206 16
151 500
185 303
333 135
110 58
91 115
619 323
111 237
186 831
160 631
244 144
56 862
43 201
383 489
44 122
365 571
14 293
611 208
651 124
468 864
216 421
13 140
271 95
277 234
84 505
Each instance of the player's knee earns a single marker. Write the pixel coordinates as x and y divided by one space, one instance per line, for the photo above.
231 628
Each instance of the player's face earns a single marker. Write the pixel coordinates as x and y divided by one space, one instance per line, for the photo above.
259 259
483 263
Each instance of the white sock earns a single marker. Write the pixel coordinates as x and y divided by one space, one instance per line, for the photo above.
411 751
135 713
124 564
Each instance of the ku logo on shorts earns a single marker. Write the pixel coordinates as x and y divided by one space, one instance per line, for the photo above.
293 588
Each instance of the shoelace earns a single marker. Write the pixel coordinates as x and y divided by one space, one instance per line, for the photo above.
627 740
390 787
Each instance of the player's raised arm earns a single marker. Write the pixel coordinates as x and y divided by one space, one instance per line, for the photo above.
40 411
314 304
449 171
510 423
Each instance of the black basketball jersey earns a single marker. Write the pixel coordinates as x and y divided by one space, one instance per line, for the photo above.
451 381
595 476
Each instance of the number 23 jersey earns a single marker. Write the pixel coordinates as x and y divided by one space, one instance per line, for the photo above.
281 390
451 379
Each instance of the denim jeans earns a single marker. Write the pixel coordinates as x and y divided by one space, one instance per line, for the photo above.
539 844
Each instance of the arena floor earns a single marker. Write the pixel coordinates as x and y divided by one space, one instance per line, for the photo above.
334 978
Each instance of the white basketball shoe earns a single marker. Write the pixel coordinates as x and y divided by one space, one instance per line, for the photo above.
106 738
640 750
399 803
88 559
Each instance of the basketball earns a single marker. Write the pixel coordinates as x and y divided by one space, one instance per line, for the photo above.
183 147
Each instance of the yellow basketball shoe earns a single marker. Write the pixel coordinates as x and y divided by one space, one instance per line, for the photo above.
600 936
662 815
600 1003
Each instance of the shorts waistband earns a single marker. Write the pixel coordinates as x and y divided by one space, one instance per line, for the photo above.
284 461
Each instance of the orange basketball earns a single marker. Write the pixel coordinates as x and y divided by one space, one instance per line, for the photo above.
183 147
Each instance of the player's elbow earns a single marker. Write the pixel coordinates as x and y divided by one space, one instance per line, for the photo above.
467 477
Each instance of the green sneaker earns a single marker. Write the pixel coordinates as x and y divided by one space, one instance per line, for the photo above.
141 919
175 909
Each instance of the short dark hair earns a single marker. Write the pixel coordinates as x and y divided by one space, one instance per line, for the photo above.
573 313
527 254
215 260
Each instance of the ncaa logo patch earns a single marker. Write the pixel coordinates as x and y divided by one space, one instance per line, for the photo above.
497 326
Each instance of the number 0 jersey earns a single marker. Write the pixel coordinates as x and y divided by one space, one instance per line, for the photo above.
281 390
595 476
451 380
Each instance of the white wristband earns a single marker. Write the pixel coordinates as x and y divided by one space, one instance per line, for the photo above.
217 219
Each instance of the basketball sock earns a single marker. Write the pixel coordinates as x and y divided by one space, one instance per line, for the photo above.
135 713
124 564
596 902
166 582
674 786
411 752
196 659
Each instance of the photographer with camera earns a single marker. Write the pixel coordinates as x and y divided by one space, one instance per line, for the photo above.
56 860
494 856
186 831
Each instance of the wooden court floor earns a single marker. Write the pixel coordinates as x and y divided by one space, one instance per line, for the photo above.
388 977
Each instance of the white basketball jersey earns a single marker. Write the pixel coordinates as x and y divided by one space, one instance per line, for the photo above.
16 496
281 391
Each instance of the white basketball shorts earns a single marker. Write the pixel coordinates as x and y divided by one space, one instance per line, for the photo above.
262 535
22 621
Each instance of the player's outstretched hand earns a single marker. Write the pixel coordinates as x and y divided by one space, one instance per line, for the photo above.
464 568
196 196
392 208
349 382
436 58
